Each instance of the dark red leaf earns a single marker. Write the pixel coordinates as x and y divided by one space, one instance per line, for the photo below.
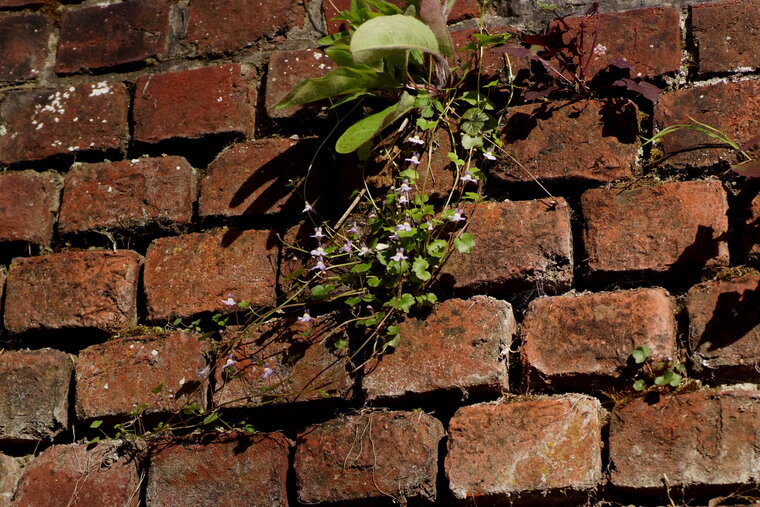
751 143
646 90
517 52
750 169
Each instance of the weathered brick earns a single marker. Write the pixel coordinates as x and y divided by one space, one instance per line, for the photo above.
34 395
493 63
90 289
218 26
548 449
3 276
114 377
583 342
252 178
110 35
462 346
286 70
81 475
461 10
703 438
28 206
279 364
37 124
727 35
648 39
22 3
10 473
193 103
222 469
751 232
665 230
23 44
193 273
728 107
521 245
724 328
601 146
368 457
128 195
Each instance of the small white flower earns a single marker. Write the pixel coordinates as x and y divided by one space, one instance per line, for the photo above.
306 317
204 372
230 362
318 233
457 216
230 301
381 246
399 255
404 187
489 155
318 252
468 178
600 50
413 160
406 227
363 251
321 266
307 208
415 139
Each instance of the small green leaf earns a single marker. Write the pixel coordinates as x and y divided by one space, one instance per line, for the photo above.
341 343
464 243
322 291
94 440
469 142
96 424
392 330
354 301
640 385
373 281
437 248
424 124
405 302
211 418
361 268
419 268
158 388
641 354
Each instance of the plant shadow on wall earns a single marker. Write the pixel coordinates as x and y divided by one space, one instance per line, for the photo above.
346 283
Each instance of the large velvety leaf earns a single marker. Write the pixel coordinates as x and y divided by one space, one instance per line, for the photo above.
432 14
380 37
340 81
365 129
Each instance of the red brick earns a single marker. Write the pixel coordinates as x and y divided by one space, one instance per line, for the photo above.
703 438
3 276
303 368
42 123
751 236
35 395
225 470
28 205
115 377
252 178
583 342
727 35
218 26
81 475
664 230
136 194
464 9
23 44
724 328
10 473
189 274
22 3
286 70
462 346
728 107
548 449
461 10
90 289
601 146
521 245
493 63
111 35
196 102
648 39
369 456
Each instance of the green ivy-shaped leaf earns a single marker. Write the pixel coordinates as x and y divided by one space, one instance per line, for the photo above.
464 243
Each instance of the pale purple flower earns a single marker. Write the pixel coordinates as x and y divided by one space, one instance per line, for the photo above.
307 208
320 265
354 229
406 227
413 160
318 233
427 225
204 372
267 371
393 237
318 252
457 216
489 155
404 188
399 255
348 247
306 317
230 301
468 178
403 199
230 362
364 250
415 139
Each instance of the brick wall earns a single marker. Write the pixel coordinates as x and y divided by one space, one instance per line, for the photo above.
142 171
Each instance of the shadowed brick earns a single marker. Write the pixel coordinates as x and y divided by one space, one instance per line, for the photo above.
23 44
648 39
519 246
114 377
28 205
728 107
42 123
10 473
110 35
600 147
724 328
727 35
22 3
705 438
751 236
225 470
89 289
81 475
665 230
34 395
278 364
461 346
193 103
369 457
194 273
132 194
286 70
548 450
3 276
218 26
583 342
252 178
